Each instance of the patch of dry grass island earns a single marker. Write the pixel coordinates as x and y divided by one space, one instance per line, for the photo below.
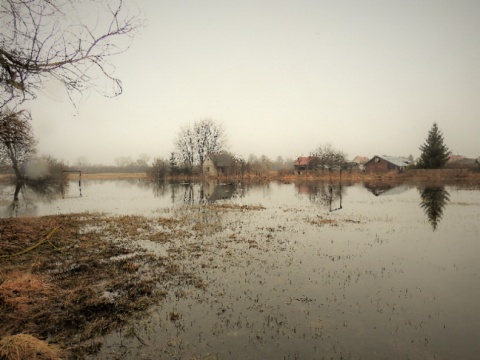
24 346
84 281
90 276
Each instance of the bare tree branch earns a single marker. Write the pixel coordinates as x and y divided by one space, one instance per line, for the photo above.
194 143
17 142
43 40
327 156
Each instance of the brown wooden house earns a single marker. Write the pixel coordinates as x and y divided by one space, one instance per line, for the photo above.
305 163
379 164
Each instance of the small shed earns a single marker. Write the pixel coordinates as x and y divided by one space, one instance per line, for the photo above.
220 164
378 164
304 163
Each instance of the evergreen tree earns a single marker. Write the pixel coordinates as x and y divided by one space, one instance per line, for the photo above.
434 152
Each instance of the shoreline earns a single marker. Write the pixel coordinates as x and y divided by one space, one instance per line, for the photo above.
434 177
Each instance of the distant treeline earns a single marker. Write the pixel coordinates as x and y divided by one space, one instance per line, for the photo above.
102 169
92 169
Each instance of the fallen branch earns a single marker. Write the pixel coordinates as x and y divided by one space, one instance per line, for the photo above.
33 247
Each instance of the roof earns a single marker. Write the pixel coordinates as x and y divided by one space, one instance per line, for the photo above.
454 158
222 159
466 161
397 161
303 160
360 159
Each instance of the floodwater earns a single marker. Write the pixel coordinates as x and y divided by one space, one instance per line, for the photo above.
302 271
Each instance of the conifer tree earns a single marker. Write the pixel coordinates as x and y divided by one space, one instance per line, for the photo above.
434 152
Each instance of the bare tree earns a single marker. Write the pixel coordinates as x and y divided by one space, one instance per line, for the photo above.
185 146
45 40
17 143
327 156
159 168
260 164
81 162
281 164
210 138
124 161
194 143
142 160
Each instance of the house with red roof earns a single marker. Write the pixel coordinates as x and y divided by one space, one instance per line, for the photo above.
304 163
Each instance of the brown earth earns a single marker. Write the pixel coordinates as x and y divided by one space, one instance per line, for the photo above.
83 280
66 280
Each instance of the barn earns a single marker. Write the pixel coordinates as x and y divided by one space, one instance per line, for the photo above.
379 164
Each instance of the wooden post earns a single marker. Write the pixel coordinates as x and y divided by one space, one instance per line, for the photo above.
79 178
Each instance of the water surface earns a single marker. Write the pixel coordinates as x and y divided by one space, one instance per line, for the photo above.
321 271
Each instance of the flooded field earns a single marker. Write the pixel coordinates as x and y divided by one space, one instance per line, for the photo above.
297 271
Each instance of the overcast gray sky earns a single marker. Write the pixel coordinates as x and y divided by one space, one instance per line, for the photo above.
369 77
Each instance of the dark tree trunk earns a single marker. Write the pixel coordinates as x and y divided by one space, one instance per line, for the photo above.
18 187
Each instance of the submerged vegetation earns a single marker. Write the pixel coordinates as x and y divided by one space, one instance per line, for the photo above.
86 280
73 278
197 279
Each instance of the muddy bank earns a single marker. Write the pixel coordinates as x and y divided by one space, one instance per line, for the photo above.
411 176
67 280
83 280
419 176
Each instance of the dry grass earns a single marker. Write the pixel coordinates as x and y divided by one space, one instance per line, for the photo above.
319 221
87 280
443 176
21 289
23 346
90 277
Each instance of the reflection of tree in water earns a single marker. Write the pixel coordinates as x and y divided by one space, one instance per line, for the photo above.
193 194
187 193
29 191
198 193
159 188
328 194
434 200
